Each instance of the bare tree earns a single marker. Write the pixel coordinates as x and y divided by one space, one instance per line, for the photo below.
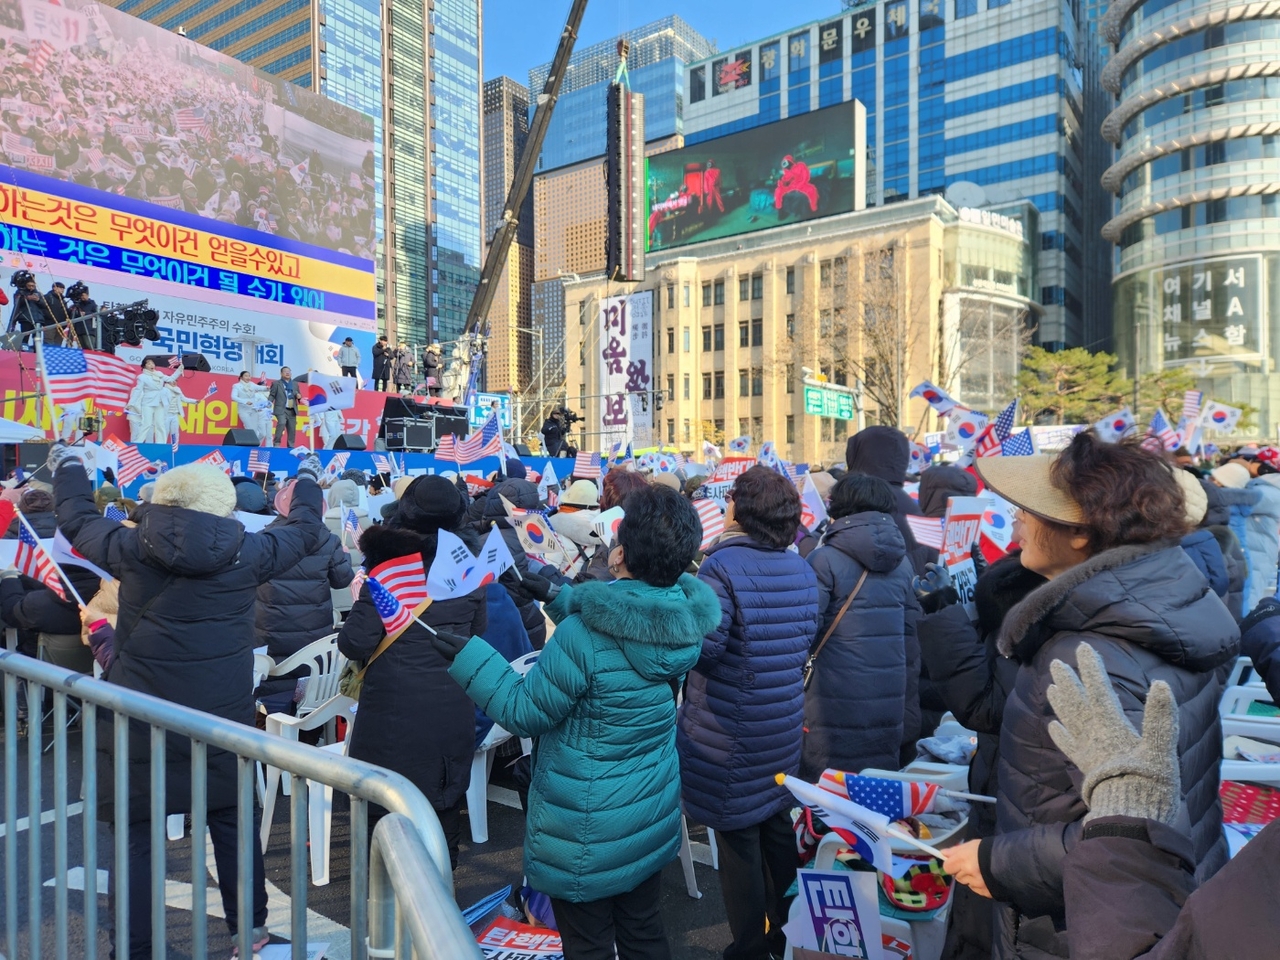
980 347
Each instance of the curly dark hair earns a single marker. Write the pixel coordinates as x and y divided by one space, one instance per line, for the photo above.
617 484
1127 494
660 534
767 506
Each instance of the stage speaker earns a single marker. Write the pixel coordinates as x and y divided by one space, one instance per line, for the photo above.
349 441
455 423
190 361
522 450
31 456
241 437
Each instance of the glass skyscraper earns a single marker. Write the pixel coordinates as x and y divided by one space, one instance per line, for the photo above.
413 68
987 92
1197 121
656 64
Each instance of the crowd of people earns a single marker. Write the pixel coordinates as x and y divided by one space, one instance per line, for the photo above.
122 117
677 677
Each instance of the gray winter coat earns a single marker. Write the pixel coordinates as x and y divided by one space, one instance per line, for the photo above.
1261 539
1151 615
862 702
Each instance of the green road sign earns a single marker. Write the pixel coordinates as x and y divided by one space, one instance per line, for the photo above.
822 402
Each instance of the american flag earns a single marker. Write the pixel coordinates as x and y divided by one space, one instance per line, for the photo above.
927 530
175 361
586 465
712 521
192 118
381 463
32 560
176 441
75 375
95 158
1163 432
398 587
113 512
39 55
357 582
1018 445
132 463
337 464
485 442
351 525
993 437
895 799
259 462
1192 401
213 388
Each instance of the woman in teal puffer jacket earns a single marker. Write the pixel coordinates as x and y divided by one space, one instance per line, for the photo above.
604 804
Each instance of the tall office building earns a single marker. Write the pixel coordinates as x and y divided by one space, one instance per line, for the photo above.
1198 179
656 65
509 363
416 70
986 93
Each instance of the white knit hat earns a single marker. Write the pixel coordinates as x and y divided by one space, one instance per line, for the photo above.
197 486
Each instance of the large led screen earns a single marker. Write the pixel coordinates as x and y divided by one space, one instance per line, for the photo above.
793 170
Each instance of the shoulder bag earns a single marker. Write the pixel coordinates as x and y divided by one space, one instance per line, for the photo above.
351 679
813 657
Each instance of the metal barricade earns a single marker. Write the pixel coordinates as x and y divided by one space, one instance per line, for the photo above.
409 911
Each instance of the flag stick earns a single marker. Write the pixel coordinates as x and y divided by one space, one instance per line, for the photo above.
918 844
961 795
40 546
425 627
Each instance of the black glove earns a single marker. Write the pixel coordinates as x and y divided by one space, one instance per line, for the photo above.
979 561
540 588
310 468
447 644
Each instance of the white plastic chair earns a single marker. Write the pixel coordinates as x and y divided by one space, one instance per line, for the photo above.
1235 701
319 796
482 763
325 662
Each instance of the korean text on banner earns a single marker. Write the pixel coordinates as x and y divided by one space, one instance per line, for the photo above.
959 534
626 364
838 913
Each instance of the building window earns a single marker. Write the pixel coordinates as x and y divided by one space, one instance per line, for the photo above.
757 287
791 326
719 386
686 340
719 336
791 378
719 426
671 296
671 431
706 386
966 8
744 427
744 382
744 334
671 339
791 429
719 292
757 382
686 386
791 279
671 386
757 332
697 84
706 294
841 429
686 431
757 429
686 295
582 352
824 273
744 288
824 323
826 429
706 339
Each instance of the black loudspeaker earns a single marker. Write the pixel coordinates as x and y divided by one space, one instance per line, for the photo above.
455 423
349 441
241 437
31 456
522 450
190 361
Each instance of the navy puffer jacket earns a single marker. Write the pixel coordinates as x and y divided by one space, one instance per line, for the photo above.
1202 547
1151 616
741 722
863 702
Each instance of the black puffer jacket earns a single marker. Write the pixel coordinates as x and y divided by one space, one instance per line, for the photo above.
29 605
296 607
524 495
885 452
1151 616
413 718
188 584
863 701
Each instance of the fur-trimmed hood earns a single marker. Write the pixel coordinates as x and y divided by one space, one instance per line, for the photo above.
1149 594
655 627
381 543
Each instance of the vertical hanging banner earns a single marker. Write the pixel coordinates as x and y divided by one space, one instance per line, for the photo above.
626 365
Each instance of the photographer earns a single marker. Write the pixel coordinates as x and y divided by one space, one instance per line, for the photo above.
29 308
554 431
82 306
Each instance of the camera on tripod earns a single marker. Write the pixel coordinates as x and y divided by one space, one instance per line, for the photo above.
569 415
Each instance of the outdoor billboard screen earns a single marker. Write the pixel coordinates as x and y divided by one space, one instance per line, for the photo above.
796 169
133 159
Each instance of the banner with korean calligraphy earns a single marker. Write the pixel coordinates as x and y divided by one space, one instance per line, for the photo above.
148 167
1210 310
626 368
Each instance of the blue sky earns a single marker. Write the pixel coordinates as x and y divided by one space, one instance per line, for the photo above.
519 34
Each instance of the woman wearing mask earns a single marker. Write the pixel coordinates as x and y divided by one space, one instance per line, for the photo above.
1101 522
742 719
862 703
604 804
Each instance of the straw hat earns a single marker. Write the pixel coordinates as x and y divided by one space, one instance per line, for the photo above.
1024 482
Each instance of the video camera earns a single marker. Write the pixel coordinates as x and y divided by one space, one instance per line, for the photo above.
569 415
21 278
